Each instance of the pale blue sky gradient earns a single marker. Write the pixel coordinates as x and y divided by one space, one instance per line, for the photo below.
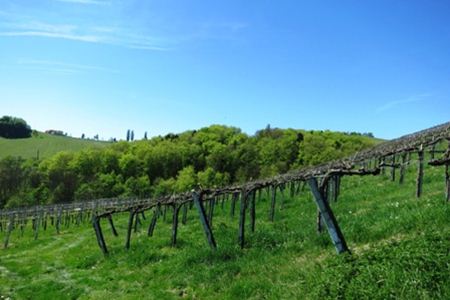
105 66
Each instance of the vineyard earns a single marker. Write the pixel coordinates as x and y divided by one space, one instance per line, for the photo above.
323 182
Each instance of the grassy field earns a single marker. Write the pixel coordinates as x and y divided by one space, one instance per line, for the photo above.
46 144
400 250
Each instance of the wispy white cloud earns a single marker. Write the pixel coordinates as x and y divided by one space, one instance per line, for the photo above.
62 66
101 35
92 2
402 102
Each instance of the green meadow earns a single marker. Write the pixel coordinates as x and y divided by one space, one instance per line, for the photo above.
400 250
45 145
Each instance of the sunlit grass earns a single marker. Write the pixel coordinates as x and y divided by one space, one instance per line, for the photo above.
400 249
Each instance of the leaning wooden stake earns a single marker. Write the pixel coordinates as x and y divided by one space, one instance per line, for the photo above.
99 234
129 229
152 225
327 214
203 219
111 224
419 182
176 210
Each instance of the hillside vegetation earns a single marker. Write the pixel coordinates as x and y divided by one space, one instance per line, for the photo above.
212 156
44 145
400 250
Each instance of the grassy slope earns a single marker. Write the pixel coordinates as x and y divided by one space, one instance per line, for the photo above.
46 144
400 250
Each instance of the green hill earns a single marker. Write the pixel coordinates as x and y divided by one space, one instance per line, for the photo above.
400 247
46 144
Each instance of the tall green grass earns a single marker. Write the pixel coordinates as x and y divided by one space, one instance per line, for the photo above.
400 249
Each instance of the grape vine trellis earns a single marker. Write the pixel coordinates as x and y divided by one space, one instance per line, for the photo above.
323 180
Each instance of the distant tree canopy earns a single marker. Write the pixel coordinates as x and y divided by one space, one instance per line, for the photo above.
14 128
213 156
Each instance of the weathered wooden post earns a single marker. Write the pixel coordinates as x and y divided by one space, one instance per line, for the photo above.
282 200
419 181
272 205
58 220
176 210
212 204
241 235
152 225
327 214
36 227
402 169
253 210
185 211
137 222
204 220
129 229
233 203
111 224
99 234
393 168
8 230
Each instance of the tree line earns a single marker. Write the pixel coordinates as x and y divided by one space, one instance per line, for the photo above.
213 156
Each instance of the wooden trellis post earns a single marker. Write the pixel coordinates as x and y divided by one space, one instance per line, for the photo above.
272 205
185 211
176 210
8 230
283 199
393 168
152 225
111 224
327 214
212 204
419 182
241 235
402 169
99 234
204 220
253 211
129 229
233 203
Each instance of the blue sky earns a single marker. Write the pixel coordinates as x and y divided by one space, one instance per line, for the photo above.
105 66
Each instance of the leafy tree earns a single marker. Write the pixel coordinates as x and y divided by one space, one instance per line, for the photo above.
12 177
186 180
14 128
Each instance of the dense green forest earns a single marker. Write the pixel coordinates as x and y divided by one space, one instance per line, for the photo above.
212 156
